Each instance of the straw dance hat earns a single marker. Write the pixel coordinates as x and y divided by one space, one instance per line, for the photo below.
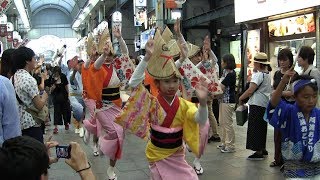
168 38
193 50
105 38
91 45
161 64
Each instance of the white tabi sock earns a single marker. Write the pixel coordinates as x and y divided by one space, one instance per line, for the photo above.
196 163
111 173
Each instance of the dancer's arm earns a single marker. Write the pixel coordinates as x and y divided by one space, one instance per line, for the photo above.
201 115
99 62
181 43
122 43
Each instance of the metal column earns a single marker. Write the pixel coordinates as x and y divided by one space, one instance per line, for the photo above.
159 13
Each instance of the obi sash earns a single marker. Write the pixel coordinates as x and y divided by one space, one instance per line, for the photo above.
166 140
110 94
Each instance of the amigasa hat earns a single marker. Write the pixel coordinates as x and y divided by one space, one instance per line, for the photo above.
261 58
192 50
91 45
168 38
161 64
105 38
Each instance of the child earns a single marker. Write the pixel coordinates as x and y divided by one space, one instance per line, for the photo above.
299 124
168 118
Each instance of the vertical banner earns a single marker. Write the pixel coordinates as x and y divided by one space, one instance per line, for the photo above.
140 12
3 30
10 36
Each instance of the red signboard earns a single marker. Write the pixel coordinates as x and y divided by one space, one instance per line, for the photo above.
9 36
170 4
3 30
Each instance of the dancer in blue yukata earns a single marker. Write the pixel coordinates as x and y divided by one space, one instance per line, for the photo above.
299 124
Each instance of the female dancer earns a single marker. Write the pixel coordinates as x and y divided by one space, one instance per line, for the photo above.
109 104
169 118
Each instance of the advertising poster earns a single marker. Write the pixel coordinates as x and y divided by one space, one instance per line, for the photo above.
293 25
140 12
253 46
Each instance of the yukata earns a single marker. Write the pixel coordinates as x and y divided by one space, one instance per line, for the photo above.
209 69
111 77
300 145
166 126
90 96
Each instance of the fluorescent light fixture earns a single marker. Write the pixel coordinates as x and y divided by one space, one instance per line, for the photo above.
23 14
76 24
233 35
85 13
175 14
82 17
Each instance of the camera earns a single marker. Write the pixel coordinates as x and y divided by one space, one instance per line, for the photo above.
63 151
43 68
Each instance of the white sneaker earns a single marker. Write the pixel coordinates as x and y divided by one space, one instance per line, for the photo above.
96 150
227 150
76 131
86 136
81 132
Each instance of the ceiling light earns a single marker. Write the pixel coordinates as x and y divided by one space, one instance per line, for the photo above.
85 13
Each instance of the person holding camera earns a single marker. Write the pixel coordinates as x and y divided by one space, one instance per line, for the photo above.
27 92
23 157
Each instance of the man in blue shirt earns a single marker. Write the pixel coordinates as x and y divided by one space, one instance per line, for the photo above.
9 117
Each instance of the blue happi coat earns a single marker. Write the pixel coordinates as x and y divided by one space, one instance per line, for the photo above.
300 139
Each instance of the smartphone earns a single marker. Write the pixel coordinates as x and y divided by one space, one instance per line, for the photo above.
63 151
43 68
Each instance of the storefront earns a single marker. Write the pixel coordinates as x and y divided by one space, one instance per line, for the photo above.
274 25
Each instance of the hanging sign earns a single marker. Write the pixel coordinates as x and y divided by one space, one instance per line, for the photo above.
3 30
4 5
10 36
10 26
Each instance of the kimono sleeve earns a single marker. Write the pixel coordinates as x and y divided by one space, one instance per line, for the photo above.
278 116
191 129
140 111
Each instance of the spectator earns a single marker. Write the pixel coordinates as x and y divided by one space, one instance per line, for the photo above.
61 103
27 91
6 63
259 92
285 61
228 85
76 100
305 60
9 117
25 158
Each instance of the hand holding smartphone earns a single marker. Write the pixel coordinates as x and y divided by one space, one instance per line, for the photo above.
63 151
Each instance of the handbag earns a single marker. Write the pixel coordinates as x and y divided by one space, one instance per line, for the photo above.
39 116
242 115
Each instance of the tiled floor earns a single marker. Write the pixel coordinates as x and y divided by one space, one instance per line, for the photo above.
133 165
